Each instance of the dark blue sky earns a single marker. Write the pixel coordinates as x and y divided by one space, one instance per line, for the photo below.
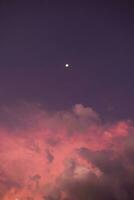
38 37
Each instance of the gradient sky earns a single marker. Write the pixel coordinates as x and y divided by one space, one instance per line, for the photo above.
37 38
64 133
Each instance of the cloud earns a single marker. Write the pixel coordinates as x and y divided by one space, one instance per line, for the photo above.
64 155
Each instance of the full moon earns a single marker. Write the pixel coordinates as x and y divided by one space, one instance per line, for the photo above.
66 65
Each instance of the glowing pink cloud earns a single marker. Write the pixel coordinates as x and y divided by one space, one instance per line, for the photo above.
65 155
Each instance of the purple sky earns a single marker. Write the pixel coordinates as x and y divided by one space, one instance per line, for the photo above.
86 150
97 39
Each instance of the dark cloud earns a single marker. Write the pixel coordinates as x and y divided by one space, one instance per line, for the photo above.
116 181
49 155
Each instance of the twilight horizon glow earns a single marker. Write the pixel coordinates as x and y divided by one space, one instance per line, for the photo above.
65 155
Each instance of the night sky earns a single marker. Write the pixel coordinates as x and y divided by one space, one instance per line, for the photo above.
66 100
97 39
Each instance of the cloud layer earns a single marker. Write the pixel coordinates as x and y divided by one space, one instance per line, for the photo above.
65 155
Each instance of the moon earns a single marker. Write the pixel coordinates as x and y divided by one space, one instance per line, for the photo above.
67 65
